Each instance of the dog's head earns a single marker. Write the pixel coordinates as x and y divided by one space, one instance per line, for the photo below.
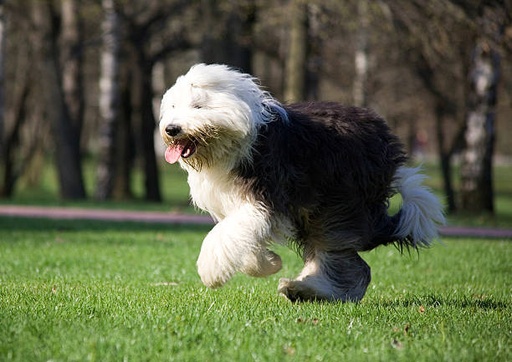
212 114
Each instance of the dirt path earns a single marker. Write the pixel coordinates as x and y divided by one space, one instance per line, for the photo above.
102 214
173 218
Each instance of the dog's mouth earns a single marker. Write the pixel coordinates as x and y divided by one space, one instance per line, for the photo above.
180 148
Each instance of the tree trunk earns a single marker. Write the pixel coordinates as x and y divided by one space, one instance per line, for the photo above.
477 193
146 56
11 166
297 54
148 122
444 109
239 35
15 157
2 77
72 61
108 102
143 98
361 56
445 158
69 127
63 91
125 154
231 44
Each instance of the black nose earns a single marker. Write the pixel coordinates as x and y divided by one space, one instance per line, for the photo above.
173 130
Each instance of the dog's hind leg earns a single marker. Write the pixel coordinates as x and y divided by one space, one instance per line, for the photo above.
341 275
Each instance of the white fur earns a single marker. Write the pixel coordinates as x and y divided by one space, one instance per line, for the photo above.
314 279
227 99
238 243
421 211
217 97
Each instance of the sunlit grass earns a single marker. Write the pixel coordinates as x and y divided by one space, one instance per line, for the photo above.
98 291
173 185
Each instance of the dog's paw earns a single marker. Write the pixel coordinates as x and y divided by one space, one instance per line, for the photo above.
298 291
287 289
261 265
213 273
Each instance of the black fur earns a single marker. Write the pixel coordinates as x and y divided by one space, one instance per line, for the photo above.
330 170
320 174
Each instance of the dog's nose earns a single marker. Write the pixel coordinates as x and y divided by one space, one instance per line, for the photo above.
173 130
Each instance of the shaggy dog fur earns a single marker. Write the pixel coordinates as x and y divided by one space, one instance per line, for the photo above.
317 174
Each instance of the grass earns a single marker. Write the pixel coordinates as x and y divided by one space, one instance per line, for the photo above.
73 290
98 291
44 191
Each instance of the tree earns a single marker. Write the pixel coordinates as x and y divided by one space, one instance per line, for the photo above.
228 33
2 77
295 80
444 112
125 146
476 169
11 167
61 64
437 58
477 192
108 101
19 133
51 74
361 55
148 49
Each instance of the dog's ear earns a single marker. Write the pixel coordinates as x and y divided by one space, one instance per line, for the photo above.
273 110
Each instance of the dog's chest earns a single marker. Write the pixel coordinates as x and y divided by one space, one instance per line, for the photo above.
215 193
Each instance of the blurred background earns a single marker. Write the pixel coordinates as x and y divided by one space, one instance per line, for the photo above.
81 83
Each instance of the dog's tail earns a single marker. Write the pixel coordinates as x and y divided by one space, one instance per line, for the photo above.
421 212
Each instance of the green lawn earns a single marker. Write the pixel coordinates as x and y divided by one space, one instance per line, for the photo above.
173 187
97 291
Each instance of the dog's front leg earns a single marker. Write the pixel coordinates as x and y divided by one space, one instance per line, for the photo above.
237 243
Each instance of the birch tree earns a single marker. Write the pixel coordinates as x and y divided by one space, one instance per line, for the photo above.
108 101
437 58
477 191
361 55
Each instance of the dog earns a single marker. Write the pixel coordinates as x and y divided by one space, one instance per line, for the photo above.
317 176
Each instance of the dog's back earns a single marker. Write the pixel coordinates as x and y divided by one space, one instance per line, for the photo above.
329 168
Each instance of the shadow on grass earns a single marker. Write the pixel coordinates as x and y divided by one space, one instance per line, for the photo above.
456 301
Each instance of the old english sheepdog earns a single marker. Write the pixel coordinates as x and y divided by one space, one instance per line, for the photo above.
315 175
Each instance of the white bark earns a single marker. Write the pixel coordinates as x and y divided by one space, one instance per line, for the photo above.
361 56
108 100
476 168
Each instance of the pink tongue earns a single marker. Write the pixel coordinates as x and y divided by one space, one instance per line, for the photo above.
173 153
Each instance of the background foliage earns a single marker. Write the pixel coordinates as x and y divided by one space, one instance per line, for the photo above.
409 60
